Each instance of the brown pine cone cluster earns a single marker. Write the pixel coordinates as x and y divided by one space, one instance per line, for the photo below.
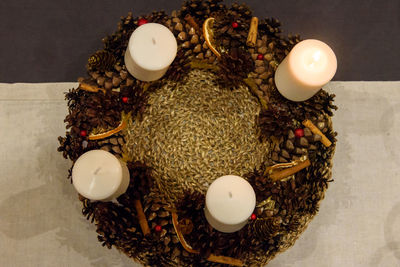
234 66
203 237
160 222
190 39
232 27
126 88
141 182
319 104
275 121
179 67
157 17
73 147
116 225
92 110
200 9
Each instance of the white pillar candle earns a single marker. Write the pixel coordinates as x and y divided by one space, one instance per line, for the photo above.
151 49
309 66
230 200
99 175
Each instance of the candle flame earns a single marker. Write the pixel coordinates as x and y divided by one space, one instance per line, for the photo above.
316 56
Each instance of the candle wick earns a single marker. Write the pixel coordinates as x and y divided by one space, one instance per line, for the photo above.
230 195
154 40
97 170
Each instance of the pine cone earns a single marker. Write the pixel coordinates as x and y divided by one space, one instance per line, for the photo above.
319 104
74 146
141 180
265 229
270 26
113 144
117 43
92 110
157 213
198 9
158 17
235 66
228 37
116 225
101 61
204 238
275 121
178 68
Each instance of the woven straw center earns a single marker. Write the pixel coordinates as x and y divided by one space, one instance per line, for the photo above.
194 132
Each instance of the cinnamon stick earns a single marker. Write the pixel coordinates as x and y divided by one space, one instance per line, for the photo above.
276 176
315 130
225 260
188 248
252 37
190 20
90 88
141 217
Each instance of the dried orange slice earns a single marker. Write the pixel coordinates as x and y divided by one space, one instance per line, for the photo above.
103 135
209 35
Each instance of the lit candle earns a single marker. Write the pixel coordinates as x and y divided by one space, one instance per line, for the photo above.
230 200
151 49
309 66
99 175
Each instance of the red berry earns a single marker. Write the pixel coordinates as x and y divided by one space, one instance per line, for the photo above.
299 133
235 25
142 21
83 133
260 57
125 99
253 216
158 228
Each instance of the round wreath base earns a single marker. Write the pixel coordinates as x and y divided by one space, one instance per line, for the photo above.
206 118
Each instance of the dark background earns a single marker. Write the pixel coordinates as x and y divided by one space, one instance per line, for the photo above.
50 41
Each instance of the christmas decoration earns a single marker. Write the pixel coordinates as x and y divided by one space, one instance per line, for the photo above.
101 61
142 21
299 132
142 223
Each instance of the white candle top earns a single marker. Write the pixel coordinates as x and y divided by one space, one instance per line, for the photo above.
312 62
153 46
230 199
97 174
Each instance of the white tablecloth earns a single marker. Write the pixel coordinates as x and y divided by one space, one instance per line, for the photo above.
358 224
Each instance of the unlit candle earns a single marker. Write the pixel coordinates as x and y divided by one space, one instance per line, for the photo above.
230 200
99 175
151 49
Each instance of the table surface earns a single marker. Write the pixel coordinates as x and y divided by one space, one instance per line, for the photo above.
358 223
50 41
